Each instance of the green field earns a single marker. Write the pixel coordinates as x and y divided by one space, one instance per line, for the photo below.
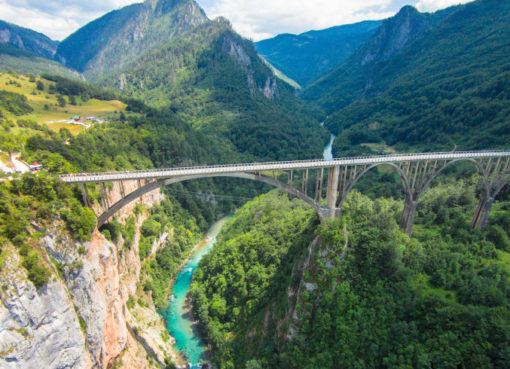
46 107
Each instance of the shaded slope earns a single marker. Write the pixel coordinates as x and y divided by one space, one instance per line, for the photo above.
28 40
309 55
356 78
446 89
22 61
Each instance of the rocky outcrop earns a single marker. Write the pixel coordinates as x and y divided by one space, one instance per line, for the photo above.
80 318
396 33
38 329
270 89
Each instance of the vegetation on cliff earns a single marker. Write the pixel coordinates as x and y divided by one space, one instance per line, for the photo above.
365 294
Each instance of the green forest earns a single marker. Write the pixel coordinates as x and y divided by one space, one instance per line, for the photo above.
446 90
363 295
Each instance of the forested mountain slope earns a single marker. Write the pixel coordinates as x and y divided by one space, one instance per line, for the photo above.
308 56
361 294
445 87
117 38
169 54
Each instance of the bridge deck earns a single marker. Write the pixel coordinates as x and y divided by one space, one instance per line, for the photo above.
271 166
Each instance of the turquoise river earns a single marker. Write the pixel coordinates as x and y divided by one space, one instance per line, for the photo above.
177 314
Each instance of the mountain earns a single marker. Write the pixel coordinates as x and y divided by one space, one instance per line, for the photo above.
308 56
170 55
28 40
111 42
424 82
352 80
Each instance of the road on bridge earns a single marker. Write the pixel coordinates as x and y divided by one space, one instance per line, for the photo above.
273 166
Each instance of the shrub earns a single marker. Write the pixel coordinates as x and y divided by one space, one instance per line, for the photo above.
80 222
498 236
37 273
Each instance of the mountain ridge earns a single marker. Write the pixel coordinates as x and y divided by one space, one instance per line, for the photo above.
309 55
113 40
444 90
27 39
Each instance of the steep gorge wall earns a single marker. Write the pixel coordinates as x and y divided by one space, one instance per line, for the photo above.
80 318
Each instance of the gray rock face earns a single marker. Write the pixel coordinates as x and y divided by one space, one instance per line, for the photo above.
38 329
394 34
79 319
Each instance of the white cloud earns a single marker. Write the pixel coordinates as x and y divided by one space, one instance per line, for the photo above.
265 18
433 5
56 18
256 19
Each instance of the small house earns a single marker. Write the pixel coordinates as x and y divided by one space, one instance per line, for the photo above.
35 167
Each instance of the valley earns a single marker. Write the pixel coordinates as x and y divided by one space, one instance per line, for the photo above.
189 198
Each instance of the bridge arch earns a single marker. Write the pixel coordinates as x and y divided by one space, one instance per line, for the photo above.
357 178
478 166
322 211
414 181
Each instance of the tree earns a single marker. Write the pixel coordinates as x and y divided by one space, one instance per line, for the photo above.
61 101
40 85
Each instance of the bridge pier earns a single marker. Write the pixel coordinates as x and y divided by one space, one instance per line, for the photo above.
332 189
85 195
482 212
408 214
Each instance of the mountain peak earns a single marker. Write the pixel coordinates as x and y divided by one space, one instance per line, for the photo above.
393 35
162 7
166 3
407 9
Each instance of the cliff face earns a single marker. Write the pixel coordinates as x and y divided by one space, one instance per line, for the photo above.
80 318
38 329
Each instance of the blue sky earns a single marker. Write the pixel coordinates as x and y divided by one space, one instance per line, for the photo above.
256 19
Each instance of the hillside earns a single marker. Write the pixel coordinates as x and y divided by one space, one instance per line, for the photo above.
280 291
224 88
200 69
50 105
424 82
112 41
28 40
308 56
22 61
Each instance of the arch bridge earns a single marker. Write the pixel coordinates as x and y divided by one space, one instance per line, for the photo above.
322 184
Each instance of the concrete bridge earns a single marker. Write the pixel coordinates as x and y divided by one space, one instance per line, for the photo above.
307 179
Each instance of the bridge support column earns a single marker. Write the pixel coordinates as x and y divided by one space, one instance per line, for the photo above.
482 212
408 214
104 193
85 195
332 190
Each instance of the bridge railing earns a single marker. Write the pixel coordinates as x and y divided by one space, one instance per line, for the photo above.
335 161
